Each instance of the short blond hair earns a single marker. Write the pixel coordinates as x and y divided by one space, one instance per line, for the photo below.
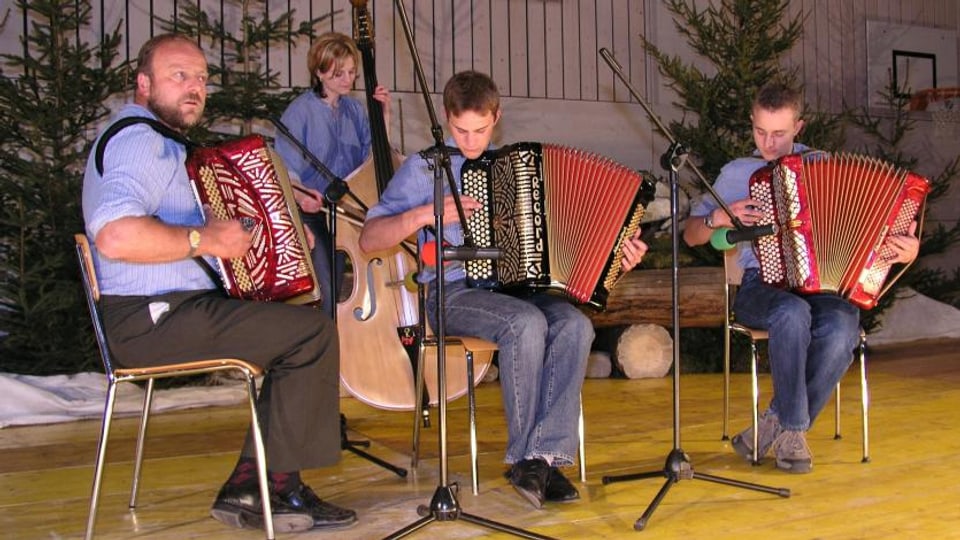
330 50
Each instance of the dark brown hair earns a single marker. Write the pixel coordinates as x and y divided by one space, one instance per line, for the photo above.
471 91
774 96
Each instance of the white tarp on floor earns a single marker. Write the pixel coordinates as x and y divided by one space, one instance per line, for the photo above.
27 399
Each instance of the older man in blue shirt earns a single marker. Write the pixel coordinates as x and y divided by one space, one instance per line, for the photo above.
160 306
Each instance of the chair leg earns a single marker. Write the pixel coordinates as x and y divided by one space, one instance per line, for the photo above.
101 456
727 344
726 377
261 454
418 404
755 398
472 412
864 401
582 458
836 413
141 438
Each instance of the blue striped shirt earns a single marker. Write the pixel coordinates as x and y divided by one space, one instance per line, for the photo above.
143 175
733 184
412 186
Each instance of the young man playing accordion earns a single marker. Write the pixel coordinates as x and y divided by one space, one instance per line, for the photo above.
543 339
812 336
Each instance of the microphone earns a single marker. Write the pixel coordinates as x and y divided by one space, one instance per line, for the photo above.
428 254
724 239
469 253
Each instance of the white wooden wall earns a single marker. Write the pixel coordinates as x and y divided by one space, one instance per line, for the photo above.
543 55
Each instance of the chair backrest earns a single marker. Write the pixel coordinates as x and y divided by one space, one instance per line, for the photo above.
92 289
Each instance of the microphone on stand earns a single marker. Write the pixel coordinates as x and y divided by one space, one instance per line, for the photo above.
725 238
428 254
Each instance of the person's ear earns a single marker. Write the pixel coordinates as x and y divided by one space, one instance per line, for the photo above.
143 84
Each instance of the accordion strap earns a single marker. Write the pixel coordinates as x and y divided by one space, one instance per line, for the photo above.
162 129
122 123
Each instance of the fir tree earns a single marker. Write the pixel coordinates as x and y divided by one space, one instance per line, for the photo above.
51 98
740 45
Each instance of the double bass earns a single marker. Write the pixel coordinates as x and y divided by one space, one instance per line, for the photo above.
378 321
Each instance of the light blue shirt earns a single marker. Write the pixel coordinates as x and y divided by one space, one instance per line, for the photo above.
733 184
339 137
411 186
143 175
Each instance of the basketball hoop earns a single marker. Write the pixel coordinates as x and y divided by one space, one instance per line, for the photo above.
943 104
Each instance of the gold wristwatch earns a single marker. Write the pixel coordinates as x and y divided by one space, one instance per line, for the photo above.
194 237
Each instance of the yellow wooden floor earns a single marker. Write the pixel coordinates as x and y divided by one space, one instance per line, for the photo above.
909 490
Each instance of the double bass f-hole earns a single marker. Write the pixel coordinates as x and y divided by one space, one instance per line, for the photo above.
368 306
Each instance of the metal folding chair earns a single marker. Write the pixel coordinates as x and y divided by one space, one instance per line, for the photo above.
116 375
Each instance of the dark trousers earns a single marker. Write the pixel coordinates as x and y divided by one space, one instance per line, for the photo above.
298 405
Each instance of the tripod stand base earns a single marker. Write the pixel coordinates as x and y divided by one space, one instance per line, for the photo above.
676 468
354 447
444 507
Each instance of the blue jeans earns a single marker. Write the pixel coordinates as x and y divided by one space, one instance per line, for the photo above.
543 345
811 345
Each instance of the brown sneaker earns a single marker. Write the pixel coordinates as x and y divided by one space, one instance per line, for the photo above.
769 429
793 454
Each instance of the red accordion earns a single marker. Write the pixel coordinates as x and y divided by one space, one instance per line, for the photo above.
832 214
239 180
559 215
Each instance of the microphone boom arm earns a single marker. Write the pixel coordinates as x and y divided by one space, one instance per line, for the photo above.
679 150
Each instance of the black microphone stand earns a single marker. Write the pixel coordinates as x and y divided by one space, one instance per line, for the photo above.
443 505
335 192
677 466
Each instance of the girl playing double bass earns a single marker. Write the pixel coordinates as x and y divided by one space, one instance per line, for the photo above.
335 127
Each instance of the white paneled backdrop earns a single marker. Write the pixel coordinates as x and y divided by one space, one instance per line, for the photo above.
543 55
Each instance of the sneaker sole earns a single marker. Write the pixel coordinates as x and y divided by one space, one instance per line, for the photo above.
795 468
740 447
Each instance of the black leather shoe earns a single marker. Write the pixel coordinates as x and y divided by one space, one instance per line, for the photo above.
529 478
559 489
240 507
325 515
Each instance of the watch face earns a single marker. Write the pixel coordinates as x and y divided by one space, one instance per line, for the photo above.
194 238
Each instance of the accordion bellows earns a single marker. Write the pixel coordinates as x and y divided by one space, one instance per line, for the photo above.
832 214
238 179
559 215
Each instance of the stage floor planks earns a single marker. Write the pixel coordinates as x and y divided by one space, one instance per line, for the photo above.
907 491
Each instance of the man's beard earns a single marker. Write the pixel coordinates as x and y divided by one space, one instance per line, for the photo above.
171 115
